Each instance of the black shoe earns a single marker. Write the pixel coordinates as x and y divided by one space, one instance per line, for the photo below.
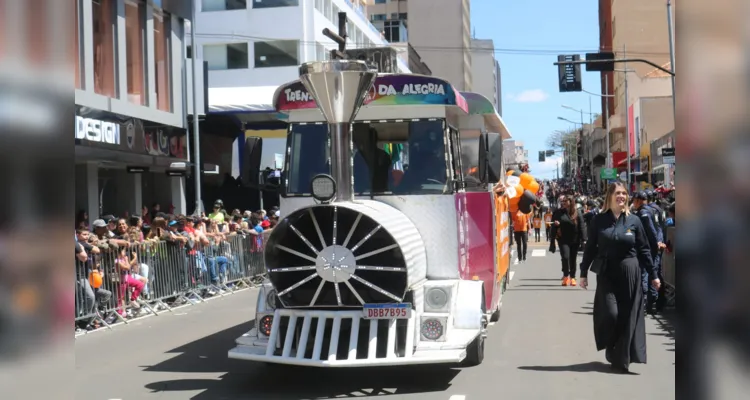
608 354
620 369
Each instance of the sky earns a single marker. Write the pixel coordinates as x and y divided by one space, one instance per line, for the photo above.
528 35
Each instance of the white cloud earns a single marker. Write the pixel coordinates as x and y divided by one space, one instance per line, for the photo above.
529 96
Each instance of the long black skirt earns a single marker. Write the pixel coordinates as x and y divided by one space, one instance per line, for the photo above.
619 324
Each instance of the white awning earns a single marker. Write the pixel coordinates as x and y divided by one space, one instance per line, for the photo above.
246 99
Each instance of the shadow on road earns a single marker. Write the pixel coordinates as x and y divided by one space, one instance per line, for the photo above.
593 366
583 312
250 380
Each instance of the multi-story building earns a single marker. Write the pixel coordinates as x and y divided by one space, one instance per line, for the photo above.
485 70
499 88
514 155
633 29
244 47
130 105
440 30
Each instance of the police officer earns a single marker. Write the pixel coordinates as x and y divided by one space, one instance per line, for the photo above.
659 219
645 214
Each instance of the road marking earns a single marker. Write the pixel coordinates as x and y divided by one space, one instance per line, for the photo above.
538 253
457 397
511 274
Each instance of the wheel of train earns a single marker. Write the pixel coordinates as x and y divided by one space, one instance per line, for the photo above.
336 256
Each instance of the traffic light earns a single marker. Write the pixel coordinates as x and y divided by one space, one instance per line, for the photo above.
541 156
569 75
549 153
600 66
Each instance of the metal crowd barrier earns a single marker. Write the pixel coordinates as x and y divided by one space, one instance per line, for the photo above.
165 275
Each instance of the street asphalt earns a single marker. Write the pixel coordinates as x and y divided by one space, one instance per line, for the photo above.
542 348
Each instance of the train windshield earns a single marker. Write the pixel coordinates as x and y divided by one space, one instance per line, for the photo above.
389 157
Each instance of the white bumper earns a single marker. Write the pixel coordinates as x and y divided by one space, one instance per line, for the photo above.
255 347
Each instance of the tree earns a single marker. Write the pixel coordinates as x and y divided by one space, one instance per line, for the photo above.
559 140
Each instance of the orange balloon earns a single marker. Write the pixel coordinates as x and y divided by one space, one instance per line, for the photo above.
533 186
514 200
95 279
519 191
509 173
526 180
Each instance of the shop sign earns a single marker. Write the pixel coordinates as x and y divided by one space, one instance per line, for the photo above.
94 130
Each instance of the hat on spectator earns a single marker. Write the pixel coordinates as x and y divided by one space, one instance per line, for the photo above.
277 213
99 223
109 218
173 222
640 196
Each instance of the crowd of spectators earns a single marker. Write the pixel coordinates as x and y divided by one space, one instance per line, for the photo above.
115 256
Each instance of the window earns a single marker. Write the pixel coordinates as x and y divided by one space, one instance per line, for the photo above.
319 5
389 157
392 31
614 31
377 17
274 3
226 56
403 16
103 17
279 53
135 16
223 5
380 1
161 61
189 52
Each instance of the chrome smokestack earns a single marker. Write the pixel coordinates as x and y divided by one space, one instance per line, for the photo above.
339 88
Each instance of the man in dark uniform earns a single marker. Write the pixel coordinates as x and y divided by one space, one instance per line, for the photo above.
660 225
647 220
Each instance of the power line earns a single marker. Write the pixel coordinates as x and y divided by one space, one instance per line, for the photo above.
421 49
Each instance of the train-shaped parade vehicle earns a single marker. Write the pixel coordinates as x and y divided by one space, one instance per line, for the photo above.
392 247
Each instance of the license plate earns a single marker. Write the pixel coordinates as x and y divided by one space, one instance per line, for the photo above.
387 311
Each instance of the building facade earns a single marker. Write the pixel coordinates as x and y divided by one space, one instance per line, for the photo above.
484 70
130 108
439 30
244 47
514 154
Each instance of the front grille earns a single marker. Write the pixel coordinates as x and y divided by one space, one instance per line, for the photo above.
337 336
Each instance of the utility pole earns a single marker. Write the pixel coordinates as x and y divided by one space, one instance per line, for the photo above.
196 128
671 58
627 117
606 113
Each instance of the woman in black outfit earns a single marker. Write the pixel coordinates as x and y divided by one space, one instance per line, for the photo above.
618 249
567 227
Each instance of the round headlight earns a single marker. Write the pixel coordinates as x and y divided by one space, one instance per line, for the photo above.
271 300
265 324
436 298
432 329
323 187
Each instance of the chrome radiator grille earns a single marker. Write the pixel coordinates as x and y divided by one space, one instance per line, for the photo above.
338 336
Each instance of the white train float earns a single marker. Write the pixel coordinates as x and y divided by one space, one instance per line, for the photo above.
392 248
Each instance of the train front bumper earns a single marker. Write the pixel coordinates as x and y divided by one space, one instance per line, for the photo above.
338 342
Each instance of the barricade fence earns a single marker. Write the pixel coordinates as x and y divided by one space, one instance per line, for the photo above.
155 276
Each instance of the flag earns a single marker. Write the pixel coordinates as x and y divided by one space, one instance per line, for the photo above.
397 166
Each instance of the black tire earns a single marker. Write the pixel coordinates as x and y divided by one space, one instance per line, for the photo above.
475 352
495 315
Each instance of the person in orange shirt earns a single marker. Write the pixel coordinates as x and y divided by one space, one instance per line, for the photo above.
547 222
521 226
537 222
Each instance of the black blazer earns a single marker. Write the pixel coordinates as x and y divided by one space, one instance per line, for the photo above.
617 240
570 232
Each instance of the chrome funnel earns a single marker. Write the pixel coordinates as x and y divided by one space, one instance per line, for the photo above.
339 87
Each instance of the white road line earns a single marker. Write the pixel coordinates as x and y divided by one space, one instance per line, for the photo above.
511 274
457 397
539 253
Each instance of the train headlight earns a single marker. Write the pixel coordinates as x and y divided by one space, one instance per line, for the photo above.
271 300
265 324
323 188
437 299
433 329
